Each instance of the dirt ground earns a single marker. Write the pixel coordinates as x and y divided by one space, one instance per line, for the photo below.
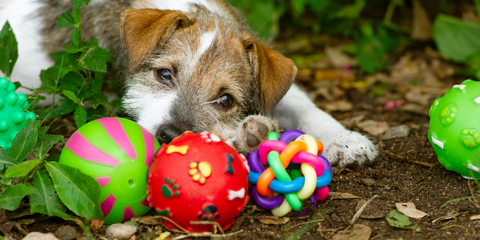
406 171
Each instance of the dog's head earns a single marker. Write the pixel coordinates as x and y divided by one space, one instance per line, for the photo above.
198 71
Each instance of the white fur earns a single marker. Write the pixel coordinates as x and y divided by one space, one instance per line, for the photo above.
152 109
297 111
206 41
181 5
32 57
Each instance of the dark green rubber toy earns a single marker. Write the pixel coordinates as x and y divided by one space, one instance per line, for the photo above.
13 115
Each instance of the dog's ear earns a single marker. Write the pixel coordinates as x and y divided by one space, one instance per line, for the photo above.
273 74
145 30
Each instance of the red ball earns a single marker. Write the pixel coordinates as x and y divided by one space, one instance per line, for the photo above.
198 177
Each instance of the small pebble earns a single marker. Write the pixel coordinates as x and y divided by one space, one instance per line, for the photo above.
334 217
368 182
396 132
120 231
40 236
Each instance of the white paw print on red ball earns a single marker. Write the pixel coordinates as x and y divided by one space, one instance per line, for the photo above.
210 137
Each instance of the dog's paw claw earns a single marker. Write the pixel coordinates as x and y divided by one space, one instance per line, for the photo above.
350 148
253 131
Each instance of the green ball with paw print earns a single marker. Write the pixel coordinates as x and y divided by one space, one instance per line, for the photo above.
454 131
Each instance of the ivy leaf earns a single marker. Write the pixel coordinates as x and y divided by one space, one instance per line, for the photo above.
24 141
80 116
45 142
80 4
65 20
8 50
94 59
13 195
22 169
71 95
6 160
46 201
78 191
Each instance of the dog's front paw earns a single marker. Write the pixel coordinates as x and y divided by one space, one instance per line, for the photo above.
350 148
253 131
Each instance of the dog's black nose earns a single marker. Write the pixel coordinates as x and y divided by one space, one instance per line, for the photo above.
167 133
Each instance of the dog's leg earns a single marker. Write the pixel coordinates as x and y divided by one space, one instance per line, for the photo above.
252 131
297 111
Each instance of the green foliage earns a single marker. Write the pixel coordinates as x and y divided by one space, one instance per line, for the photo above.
78 75
400 220
8 50
455 38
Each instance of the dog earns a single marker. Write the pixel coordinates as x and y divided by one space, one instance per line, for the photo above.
188 65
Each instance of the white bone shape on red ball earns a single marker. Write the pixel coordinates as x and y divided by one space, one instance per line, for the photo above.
236 194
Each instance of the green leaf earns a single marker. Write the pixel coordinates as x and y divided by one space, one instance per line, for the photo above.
76 14
45 142
8 50
80 4
400 220
76 37
17 85
13 195
6 160
78 191
72 81
80 116
95 113
53 158
6 181
24 141
94 59
352 11
65 20
71 95
456 39
22 169
371 54
46 201
98 99
72 49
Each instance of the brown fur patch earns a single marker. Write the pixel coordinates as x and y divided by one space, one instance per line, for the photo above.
144 30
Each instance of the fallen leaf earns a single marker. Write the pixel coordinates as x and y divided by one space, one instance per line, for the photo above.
396 132
410 210
415 108
399 220
450 215
150 220
339 195
358 232
338 58
420 98
350 122
163 236
422 26
96 224
278 221
340 105
370 211
373 127
475 217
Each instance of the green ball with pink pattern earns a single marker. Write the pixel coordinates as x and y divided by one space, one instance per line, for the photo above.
116 152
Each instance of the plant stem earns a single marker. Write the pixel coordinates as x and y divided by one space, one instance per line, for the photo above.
56 82
80 30
85 228
390 11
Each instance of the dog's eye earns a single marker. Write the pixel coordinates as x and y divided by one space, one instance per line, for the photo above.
226 100
163 75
